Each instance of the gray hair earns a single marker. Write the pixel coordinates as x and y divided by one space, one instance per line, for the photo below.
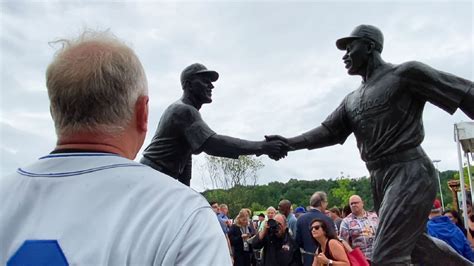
93 84
317 198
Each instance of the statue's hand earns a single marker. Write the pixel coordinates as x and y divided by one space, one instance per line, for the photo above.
276 137
275 149
281 138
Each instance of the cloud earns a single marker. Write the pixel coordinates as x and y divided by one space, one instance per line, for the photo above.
280 70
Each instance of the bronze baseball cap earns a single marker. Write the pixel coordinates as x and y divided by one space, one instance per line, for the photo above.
368 32
197 69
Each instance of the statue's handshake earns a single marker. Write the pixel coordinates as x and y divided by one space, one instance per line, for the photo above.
276 147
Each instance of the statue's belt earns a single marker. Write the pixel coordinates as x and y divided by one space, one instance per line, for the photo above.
403 156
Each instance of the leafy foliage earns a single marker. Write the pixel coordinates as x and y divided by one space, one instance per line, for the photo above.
260 197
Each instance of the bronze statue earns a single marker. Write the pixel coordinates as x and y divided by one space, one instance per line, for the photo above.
385 115
182 132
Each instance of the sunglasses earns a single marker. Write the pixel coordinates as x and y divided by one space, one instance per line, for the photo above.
315 227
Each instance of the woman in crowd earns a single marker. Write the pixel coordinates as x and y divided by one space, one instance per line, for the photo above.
331 251
253 231
239 233
456 219
346 211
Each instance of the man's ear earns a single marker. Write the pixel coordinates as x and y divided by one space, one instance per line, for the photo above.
141 113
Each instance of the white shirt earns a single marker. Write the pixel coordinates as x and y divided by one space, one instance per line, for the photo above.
104 209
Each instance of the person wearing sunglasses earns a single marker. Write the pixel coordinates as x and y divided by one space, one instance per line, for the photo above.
330 251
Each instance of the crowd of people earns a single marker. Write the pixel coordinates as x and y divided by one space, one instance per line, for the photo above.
317 235
312 235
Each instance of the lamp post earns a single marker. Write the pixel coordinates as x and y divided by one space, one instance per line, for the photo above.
439 182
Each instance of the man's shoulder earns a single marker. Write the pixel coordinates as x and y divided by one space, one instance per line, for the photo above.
312 214
188 197
372 215
441 219
291 217
348 218
116 173
441 225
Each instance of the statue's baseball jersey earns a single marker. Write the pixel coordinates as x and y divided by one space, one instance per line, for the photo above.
103 209
180 133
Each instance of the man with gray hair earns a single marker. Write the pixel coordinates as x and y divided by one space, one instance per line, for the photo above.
88 202
318 204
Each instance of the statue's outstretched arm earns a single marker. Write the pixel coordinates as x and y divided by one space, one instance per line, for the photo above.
225 146
467 104
315 138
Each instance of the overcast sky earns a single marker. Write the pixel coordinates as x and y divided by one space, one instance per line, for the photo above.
280 72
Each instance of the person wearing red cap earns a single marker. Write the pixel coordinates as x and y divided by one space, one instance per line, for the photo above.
182 132
385 115
441 227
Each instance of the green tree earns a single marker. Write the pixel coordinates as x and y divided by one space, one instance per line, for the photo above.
342 193
295 195
465 173
260 197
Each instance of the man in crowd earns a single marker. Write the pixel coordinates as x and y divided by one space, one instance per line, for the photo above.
279 248
223 218
215 207
260 222
182 132
88 202
318 204
358 228
299 211
284 207
385 115
441 227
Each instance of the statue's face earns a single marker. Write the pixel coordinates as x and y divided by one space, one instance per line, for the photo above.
356 57
201 88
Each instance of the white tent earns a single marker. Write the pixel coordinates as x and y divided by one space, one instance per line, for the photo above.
464 136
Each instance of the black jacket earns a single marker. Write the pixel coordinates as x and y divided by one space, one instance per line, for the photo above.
279 251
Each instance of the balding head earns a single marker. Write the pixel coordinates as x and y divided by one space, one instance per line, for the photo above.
284 207
281 220
93 84
357 205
